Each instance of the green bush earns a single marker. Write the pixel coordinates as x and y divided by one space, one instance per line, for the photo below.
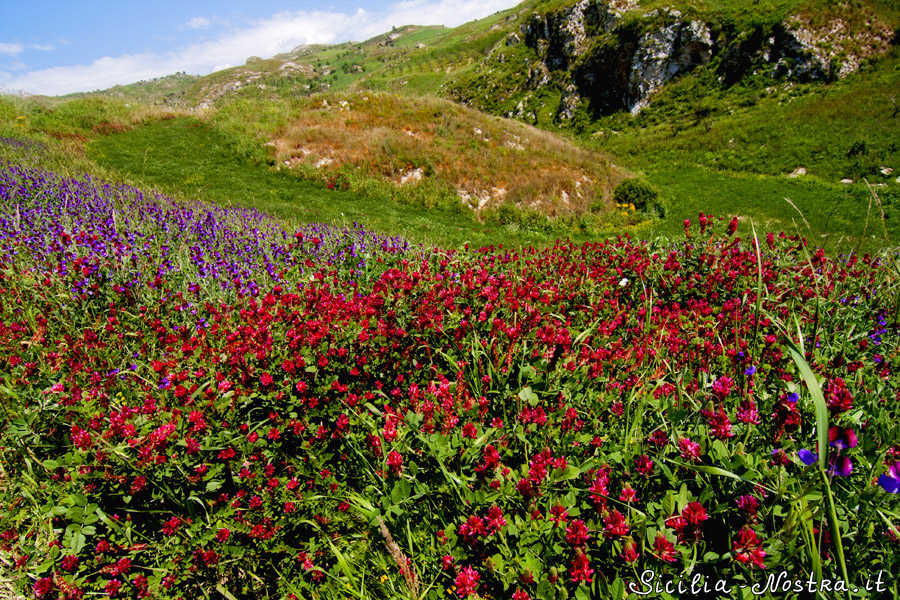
644 196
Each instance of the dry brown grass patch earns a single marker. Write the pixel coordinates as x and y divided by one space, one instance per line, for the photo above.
387 137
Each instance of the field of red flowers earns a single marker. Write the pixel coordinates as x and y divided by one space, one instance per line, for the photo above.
199 403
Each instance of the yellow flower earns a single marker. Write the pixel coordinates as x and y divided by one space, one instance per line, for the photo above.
631 206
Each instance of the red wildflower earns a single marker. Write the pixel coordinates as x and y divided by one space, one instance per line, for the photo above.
628 494
659 438
732 225
747 548
747 413
663 549
615 525
630 554
838 397
722 386
467 582
112 587
644 465
689 524
719 423
749 505
580 570
495 519
171 526
70 562
690 450
694 513
43 586
525 488
577 533
558 514
81 439
395 462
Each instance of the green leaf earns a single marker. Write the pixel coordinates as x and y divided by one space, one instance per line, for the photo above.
401 491
75 514
720 451
815 391
527 395
570 473
668 504
221 589
78 541
499 563
617 589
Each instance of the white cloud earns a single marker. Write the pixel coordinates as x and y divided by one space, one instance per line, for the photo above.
42 47
10 48
198 23
280 33
14 65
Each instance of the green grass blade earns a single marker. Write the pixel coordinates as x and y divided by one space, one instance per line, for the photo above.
815 392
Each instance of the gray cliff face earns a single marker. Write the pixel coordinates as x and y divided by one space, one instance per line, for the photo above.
664 54
607 62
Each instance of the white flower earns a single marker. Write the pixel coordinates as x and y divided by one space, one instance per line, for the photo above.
623 282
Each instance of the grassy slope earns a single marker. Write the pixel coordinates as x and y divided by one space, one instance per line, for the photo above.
164 154
378 139
720 150
751 139
187 158
169 90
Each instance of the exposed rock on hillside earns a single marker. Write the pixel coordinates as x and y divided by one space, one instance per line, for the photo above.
608 56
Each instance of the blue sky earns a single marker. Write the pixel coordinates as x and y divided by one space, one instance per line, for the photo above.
61 46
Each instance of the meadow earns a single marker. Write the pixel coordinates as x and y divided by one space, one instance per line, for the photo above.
329 336
201 402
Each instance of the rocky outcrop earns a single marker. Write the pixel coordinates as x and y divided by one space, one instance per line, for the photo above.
664 54
598 58
562 37
615 67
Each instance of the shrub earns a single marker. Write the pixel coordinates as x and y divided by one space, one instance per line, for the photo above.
641 194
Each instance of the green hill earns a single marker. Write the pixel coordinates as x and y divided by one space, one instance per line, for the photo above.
780 111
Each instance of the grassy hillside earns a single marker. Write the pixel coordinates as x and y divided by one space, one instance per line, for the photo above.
192 158
168 91
428 147
758 147
769 143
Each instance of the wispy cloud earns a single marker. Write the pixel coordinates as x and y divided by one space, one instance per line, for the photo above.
280 33
198 23
10 48
42 47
